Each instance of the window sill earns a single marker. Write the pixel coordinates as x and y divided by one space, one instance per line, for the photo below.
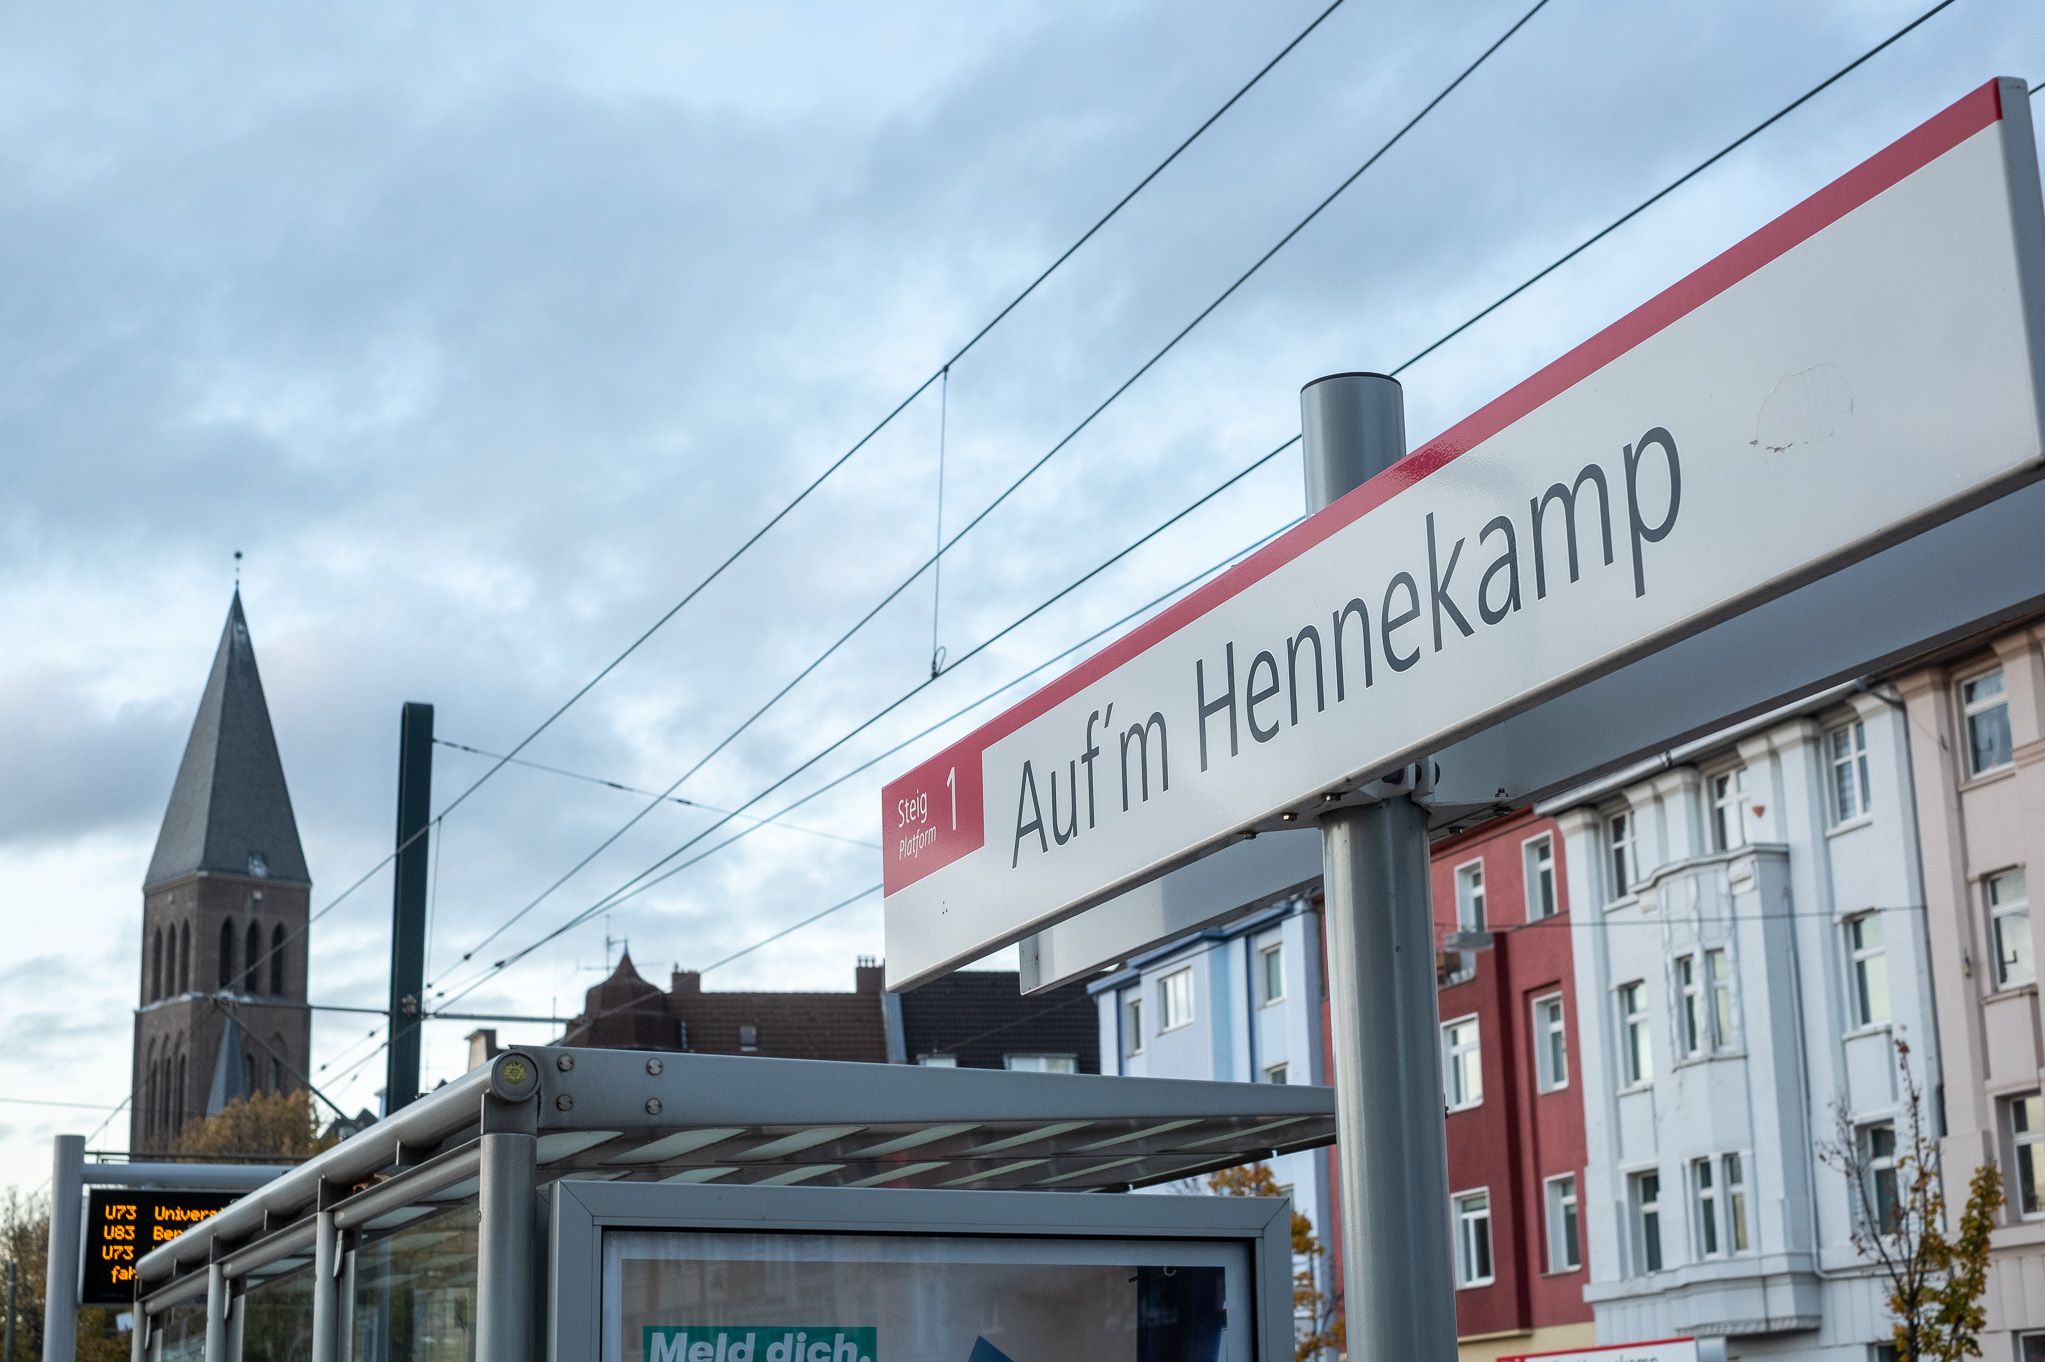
1271 1002
1467 1106
1477 1286
1177 1026
1988 777
1707 1056
2021 988
1627 900
1645 1085
1880 1028
1853 824
1563 1271
1550 1091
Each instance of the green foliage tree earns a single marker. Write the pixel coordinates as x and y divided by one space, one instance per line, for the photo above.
1322 1334
262 1124
1936 1278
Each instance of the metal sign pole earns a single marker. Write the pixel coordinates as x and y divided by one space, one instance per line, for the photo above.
60 1280
1392 1149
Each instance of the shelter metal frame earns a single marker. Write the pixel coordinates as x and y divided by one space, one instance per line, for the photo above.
543 1115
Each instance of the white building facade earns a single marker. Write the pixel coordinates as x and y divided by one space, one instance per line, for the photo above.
1241 1004
1750 951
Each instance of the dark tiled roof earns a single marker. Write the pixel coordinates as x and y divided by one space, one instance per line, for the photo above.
979 1017
230 810
626 1012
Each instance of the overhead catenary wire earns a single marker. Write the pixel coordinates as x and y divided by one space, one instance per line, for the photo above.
803 495
634 789
1065 441
628 888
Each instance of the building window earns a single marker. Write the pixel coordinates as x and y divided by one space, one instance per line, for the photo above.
1462 1063
939 1061
1636 1043
748 1039
276 1075
1040 1064
1551 1044
1718 977
1736 1204
1470 914
1619 850
1729 809
156 967
2031 1348
1271 973
277 960
1646 1196
1473 1239
2027 1151
1878 1172
1564 1236
1870 969
185 958
1984 711
1132 1022
1689 1003
1704 1207
1281 1074
2009 928
1539 854
227 954
1851 795
1174 1000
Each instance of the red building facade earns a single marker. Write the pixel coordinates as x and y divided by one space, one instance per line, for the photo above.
1511 1079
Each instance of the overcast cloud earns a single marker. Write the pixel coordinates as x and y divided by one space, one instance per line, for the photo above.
485 332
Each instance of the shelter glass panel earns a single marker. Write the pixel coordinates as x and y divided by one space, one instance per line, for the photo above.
277 1320
183 1331
857 1298
415 1292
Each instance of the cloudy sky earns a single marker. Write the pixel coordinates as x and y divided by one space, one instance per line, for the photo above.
486 332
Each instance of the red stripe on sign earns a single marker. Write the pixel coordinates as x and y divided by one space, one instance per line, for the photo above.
1885 169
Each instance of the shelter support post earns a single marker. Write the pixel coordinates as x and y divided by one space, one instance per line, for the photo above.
506 1275
60 1280
327 1340
1399 1295
219 1315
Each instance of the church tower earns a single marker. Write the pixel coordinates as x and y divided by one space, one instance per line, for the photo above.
224 909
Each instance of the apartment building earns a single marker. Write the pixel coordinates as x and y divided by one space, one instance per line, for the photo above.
1510 1062
1977 743
1750 946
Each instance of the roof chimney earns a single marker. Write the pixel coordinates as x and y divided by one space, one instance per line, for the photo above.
869 975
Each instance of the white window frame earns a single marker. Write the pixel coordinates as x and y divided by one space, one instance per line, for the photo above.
1165 1009
1970 710
1640 1211
1039 1063
939 1061
1705 1240
1864 963
1562 1207
1846 756
1621 840
1727 789
1537 860
1721 1004
2011 916
1280 1074
1551 1043
1877 1170
1268 951
1472 909
1737 1203
1132 1022
2021 1141
1462 1087
1689 1011
1636 1035
1468 1211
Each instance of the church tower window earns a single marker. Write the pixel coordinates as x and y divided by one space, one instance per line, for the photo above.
277 960
226 954
185 958
155 966
252 963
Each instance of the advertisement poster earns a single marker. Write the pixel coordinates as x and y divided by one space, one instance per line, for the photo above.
684 1296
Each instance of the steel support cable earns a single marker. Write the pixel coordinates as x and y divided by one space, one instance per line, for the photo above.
1645 204
634 789
803 495
1677 183
914 690
928 563
925 732
918 736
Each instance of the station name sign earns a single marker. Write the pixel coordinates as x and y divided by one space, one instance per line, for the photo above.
122 1226
1862 367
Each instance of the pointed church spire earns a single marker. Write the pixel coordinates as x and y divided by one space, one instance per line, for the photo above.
230 810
